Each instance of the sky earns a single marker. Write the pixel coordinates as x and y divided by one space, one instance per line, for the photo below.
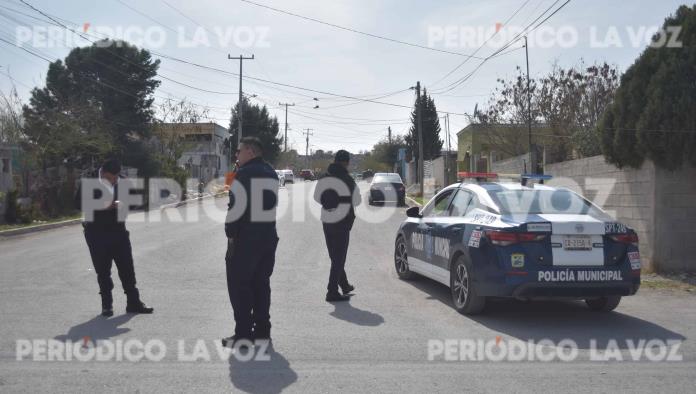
340 65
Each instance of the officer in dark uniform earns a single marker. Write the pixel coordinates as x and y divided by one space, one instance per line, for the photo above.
108 241
337 194
252 240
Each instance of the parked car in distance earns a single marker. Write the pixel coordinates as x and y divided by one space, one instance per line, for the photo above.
387 186
281 177
289 176
367 174
307 175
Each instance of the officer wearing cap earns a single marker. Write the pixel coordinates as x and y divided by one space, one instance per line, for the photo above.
252 242
109 241
337 193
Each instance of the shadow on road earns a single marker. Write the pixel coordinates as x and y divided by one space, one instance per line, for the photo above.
555 320
259 376
345 311
97 328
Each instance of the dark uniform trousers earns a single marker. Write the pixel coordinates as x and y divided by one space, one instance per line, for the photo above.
249 265
106 247
337 236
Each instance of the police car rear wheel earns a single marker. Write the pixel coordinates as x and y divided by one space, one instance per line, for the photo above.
603 304
401 260
464 296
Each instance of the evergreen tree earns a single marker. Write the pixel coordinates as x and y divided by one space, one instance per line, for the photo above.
96 103
653 113
432 143
257 122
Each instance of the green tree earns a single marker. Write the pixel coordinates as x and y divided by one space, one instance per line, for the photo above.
96 102
653 113
432 144
386 151
257 122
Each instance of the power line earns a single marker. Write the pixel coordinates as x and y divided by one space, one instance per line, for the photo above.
358 31
460 81
54 19
484 43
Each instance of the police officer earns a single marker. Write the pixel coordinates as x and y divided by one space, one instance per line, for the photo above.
252 240
337 194
108 241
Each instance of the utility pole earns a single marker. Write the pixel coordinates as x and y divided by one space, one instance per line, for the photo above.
389 134
307 133
240 106
532 155
421 165
447 158
286 123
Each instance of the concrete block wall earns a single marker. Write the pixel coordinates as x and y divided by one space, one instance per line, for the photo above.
675 219
513 165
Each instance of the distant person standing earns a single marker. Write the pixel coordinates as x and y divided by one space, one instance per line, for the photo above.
109 241
337 194
252 241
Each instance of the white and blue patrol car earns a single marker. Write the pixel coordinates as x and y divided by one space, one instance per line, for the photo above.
521 240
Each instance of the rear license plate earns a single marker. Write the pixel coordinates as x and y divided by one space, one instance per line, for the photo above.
388 188
577 243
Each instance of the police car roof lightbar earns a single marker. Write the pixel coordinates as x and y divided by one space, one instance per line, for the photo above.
540 177
478 176
543 177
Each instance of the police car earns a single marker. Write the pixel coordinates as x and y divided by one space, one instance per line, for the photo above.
518 239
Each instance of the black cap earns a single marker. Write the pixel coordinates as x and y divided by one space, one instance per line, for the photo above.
112 166
342 156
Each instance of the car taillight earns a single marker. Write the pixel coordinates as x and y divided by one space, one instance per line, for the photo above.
625 238
502 238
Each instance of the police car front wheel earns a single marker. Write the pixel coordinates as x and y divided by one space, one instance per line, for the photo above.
603 304
464 296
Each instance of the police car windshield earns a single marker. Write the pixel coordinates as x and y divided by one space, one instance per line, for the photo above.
387 178
542 202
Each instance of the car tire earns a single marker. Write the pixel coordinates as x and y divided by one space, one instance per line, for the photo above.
401 259
463 288
603 304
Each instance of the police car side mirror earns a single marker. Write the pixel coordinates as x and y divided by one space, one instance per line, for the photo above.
413 212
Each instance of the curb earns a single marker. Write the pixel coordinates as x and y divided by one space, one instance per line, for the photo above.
38 227
49 226
182 203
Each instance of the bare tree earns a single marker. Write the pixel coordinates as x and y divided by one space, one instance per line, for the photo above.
566 106
181 111
11 120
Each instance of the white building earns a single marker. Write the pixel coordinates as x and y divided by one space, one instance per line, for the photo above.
206 152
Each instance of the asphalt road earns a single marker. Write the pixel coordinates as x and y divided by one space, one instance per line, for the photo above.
378 342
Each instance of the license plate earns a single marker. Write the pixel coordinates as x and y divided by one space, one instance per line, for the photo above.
577 243
388 188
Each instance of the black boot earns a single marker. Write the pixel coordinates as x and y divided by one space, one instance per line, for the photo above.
336 296
347 288
261 332
107 304
140 307
242 341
